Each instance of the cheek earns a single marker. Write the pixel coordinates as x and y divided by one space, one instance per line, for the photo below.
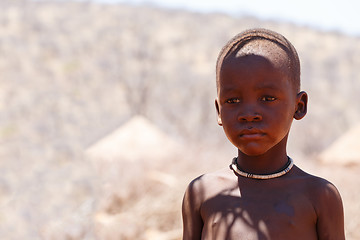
283 120
229 116
229 121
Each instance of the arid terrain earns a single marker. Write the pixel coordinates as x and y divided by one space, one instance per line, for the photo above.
107 112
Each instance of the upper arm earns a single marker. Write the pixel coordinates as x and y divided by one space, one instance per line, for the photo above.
192 221
330 213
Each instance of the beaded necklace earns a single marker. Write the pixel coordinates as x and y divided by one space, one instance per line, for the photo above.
235 168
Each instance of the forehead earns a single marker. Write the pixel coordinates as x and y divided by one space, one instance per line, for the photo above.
258 60
266 49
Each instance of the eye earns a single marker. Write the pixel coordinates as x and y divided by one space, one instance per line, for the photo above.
233 100
268 99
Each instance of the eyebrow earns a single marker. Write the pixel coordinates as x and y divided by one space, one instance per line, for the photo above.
267 86
259 87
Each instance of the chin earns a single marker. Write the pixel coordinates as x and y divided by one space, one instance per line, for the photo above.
253 151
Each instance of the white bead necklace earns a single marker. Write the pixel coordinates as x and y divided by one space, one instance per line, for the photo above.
235 168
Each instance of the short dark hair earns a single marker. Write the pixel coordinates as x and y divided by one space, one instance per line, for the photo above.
241 39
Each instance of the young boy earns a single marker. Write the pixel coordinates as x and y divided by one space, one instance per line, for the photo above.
263 195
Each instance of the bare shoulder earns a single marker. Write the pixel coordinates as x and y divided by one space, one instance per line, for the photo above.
200 189
206 186
211 183
316 186
327 204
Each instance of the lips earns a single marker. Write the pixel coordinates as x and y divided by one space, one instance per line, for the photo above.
251 134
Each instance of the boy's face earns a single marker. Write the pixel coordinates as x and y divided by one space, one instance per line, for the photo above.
256 100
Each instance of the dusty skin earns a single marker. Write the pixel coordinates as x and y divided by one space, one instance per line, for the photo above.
258 99
294 206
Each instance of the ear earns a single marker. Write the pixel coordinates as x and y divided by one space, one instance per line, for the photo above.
218 112
301 109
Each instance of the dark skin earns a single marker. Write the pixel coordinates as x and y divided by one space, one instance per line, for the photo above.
256 104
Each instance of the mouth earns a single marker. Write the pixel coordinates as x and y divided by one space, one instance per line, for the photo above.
251 134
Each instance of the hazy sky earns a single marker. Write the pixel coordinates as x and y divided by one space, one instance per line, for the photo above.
339 15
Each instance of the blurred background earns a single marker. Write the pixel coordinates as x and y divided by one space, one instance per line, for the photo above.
107 109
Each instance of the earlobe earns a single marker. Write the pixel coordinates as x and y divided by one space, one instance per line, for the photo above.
219 121
301 109
218 112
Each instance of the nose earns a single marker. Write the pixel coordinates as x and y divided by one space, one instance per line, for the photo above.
249 115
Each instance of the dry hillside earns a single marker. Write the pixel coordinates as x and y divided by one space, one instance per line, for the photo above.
72 72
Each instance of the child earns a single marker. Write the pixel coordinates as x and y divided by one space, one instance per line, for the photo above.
263 195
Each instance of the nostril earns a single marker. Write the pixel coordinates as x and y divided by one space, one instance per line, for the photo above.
258 117
250 118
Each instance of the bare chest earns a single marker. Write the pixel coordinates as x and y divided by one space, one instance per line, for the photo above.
258 213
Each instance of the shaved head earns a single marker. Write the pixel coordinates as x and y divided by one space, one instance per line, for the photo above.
265 43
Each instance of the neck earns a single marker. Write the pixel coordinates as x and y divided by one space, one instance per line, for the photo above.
267 163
